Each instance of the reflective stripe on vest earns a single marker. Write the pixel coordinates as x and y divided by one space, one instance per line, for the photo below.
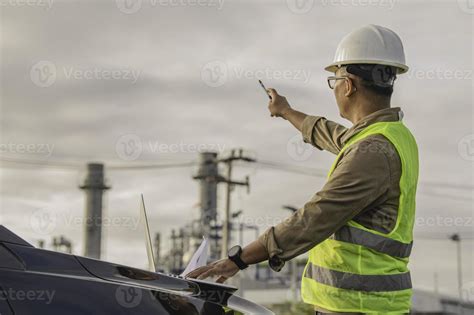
366 283
373 241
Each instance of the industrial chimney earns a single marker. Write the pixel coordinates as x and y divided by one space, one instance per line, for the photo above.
93 186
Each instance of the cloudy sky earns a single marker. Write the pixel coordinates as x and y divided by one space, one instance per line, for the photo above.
133 82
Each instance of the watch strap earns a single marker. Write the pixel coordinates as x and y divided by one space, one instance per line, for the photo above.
238 261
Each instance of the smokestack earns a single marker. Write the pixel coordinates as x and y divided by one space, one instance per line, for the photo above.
208 177
93 186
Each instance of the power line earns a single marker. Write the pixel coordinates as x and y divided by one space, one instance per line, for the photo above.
309 171
291 168
445 237
43 163
284 167
296 169
78 165
151 166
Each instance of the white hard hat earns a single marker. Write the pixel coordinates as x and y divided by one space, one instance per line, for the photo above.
371 44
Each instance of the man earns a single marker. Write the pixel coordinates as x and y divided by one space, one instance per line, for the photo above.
358 228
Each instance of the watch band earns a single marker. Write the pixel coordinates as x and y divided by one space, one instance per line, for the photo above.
236 258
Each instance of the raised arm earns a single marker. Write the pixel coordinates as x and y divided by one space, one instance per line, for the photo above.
318 131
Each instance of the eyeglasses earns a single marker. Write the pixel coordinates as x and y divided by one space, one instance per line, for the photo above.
332 81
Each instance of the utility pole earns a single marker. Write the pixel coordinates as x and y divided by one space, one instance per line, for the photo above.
225 227
208 177
94 186
457 238
230 184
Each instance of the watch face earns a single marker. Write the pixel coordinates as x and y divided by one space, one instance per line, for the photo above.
234 251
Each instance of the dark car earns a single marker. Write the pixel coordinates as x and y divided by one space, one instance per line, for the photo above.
37 281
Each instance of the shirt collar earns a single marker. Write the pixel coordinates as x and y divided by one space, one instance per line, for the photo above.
386 115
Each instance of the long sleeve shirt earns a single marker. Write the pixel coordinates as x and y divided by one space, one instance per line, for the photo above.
363 187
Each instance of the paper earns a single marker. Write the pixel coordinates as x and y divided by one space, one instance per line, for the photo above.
199 258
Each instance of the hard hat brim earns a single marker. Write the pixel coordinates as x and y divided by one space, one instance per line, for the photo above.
401 68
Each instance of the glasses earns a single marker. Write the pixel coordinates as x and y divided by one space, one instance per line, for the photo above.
332 81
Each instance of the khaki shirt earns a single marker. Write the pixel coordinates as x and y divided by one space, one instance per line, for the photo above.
364 187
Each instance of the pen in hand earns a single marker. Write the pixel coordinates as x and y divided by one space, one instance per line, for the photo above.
263 86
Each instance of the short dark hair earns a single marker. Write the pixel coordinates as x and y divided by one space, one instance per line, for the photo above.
382 91
378 79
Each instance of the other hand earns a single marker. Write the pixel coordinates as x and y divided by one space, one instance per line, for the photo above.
224 269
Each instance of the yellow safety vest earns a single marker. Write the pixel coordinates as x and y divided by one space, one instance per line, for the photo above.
362 270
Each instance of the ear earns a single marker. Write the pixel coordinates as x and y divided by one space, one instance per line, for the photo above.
350 87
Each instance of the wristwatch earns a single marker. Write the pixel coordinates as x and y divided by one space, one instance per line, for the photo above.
234 255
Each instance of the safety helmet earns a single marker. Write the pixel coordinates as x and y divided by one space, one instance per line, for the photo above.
371 44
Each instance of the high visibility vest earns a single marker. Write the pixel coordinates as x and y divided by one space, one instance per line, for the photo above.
359 269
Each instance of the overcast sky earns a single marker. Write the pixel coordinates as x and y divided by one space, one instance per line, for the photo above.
149 81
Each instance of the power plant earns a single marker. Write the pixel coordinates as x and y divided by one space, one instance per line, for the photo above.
220 230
